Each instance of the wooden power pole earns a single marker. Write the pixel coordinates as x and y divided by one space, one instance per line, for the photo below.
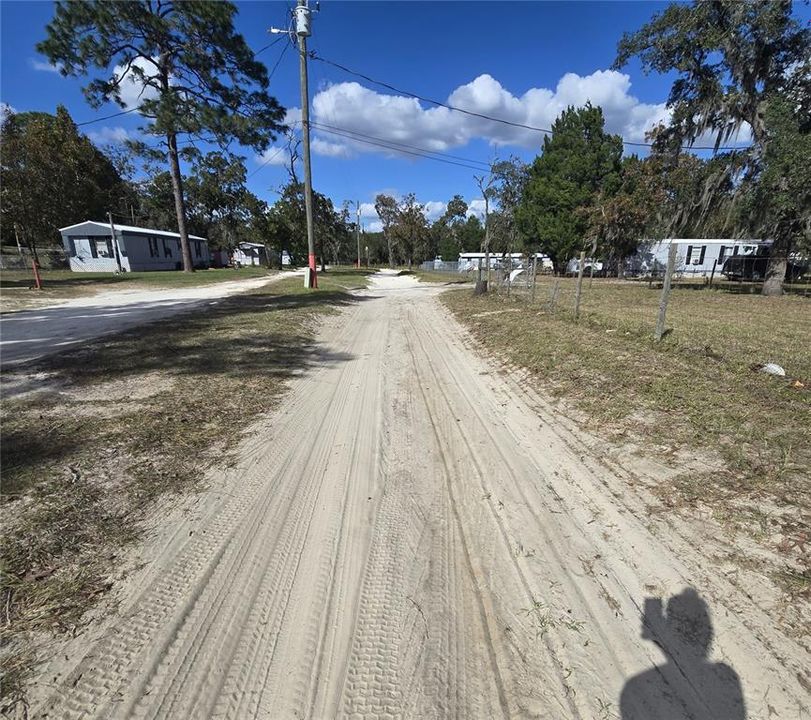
303 31
116 251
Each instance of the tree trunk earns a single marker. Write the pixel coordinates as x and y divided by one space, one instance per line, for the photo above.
620 268
32 245
180 204
776 269
486 241
391 251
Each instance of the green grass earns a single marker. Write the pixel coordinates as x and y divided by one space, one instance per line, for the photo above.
131 419
17 286
694 395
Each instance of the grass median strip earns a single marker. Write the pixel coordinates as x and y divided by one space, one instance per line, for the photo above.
123 421
695 397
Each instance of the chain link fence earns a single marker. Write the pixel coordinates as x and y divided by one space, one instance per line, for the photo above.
19 259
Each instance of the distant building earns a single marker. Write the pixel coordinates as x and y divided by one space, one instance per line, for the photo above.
248 253
90 247
694 257
473 260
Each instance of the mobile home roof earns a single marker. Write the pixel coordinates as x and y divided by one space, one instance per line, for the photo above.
128 228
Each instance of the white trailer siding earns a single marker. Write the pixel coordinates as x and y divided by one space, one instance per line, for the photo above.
92 253
694 257
90 248
250 254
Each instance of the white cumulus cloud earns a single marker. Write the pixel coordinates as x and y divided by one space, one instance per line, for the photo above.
274 155
132 90
292 116
329 149
367 210
476 207
44 66
434 209
397 119
112 135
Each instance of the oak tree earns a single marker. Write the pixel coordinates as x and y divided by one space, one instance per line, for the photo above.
733 61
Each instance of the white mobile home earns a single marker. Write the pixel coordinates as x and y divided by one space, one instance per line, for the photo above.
694 257
248 253
473 260
91 247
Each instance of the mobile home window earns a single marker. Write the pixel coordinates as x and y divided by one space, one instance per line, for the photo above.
71 246
167 251
722 254
689 255
197 248
104 248
700 260
153 247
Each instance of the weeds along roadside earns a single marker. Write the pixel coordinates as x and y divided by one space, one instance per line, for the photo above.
694 395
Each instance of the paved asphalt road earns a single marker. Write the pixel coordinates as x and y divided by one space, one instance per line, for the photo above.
30 334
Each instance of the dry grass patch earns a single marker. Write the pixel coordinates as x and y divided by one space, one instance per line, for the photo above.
122 422
694 395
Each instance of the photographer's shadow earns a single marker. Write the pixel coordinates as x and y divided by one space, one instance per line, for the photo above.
688 686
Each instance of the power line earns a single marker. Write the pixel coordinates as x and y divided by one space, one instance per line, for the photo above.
281 55
401 147
106 117
480 165
266 162
268 46
270 158
482 116
405 145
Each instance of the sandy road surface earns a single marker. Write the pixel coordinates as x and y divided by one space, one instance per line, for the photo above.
413 536
29 334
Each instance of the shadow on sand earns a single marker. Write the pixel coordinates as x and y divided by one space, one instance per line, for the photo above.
688 686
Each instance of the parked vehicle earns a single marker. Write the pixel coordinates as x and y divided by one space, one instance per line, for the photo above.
589 264
753 267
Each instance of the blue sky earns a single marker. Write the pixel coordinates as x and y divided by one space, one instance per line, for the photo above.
522 61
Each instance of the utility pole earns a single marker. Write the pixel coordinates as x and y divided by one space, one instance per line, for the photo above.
115 243
357 231
303 31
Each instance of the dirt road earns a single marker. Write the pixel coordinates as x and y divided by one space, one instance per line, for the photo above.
416 536
29 334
